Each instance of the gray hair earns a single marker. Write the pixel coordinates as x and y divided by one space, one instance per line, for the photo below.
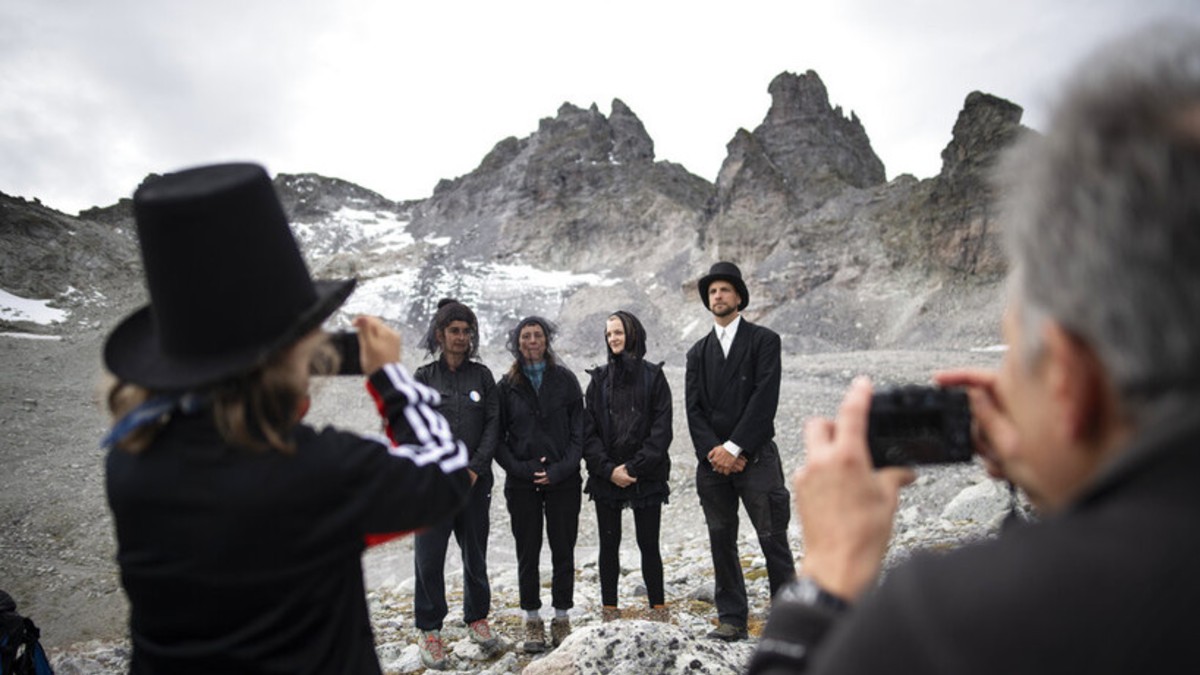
1102 213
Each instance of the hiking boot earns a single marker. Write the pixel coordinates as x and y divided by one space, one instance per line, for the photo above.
728 632
609 613
433 650
560 628
481 634
535 636
659 613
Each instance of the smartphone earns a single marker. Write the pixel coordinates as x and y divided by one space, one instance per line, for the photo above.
916 424
346 345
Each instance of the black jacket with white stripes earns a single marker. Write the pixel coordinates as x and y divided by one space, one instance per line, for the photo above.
247 561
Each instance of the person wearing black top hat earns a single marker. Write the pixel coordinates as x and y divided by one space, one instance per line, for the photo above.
472 407
627 439
731 392
540 448
240 530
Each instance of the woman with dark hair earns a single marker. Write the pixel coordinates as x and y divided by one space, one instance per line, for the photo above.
541 445
240 530
627 435
471 405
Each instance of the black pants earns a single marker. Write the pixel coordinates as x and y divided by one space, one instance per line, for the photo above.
559 507
761 490
470 527
646 522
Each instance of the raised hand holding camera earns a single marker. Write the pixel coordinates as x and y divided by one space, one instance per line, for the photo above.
846 507
378 343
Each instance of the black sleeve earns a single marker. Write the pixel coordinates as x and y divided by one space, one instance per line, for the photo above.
704 438
756 426
481 463
422 476
658 443
573 453
598 463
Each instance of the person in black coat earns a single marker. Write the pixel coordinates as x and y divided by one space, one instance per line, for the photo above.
627 438
732 391
240 530
1092 413
540 448
471 404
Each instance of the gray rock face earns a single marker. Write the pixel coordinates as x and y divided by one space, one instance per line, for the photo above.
804 153
949 223
47 255
579 187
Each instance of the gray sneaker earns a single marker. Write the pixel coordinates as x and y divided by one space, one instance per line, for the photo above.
728 632
481 634
433 650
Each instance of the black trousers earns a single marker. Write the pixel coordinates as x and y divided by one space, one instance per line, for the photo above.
560 510
647 521
761 489
470 527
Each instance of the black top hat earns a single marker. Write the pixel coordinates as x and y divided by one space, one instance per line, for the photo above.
228 286
724 271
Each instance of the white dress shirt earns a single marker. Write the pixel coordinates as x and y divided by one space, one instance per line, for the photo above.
725 335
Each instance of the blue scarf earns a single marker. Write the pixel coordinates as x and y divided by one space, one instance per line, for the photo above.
153 410
534 372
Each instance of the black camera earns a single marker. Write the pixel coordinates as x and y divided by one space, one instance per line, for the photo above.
919 425
345 343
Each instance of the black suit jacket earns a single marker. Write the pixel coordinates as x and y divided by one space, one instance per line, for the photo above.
733 398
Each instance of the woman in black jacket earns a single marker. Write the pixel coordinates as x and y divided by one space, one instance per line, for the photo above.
540 448
627 437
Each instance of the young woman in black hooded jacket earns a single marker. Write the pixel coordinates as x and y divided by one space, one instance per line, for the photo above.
627 437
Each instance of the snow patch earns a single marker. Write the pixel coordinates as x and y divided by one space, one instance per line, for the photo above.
30 336
16 308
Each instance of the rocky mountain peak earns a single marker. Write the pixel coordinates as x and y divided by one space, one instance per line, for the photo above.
812 141
986 125
805 153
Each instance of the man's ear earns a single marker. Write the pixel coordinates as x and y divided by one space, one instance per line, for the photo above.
1078 384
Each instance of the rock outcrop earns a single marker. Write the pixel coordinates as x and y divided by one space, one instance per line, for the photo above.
804 153
950 224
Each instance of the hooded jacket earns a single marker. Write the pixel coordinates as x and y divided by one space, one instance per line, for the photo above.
650 463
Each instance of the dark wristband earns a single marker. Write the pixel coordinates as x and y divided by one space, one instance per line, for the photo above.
806 591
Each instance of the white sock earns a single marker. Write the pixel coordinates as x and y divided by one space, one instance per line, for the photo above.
560 613
532 615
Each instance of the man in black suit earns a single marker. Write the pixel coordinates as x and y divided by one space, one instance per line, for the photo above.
732 390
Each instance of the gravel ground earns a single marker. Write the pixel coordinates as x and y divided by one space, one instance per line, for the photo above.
57 550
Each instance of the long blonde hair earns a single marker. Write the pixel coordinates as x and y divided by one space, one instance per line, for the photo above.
256 410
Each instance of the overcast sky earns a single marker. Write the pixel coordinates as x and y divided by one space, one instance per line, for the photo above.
396 95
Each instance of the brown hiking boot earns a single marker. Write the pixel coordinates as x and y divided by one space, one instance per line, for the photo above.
609 613
659 613
560 628
535 636
728 632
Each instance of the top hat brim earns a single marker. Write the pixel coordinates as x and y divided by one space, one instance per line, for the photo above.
738 285
133 352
